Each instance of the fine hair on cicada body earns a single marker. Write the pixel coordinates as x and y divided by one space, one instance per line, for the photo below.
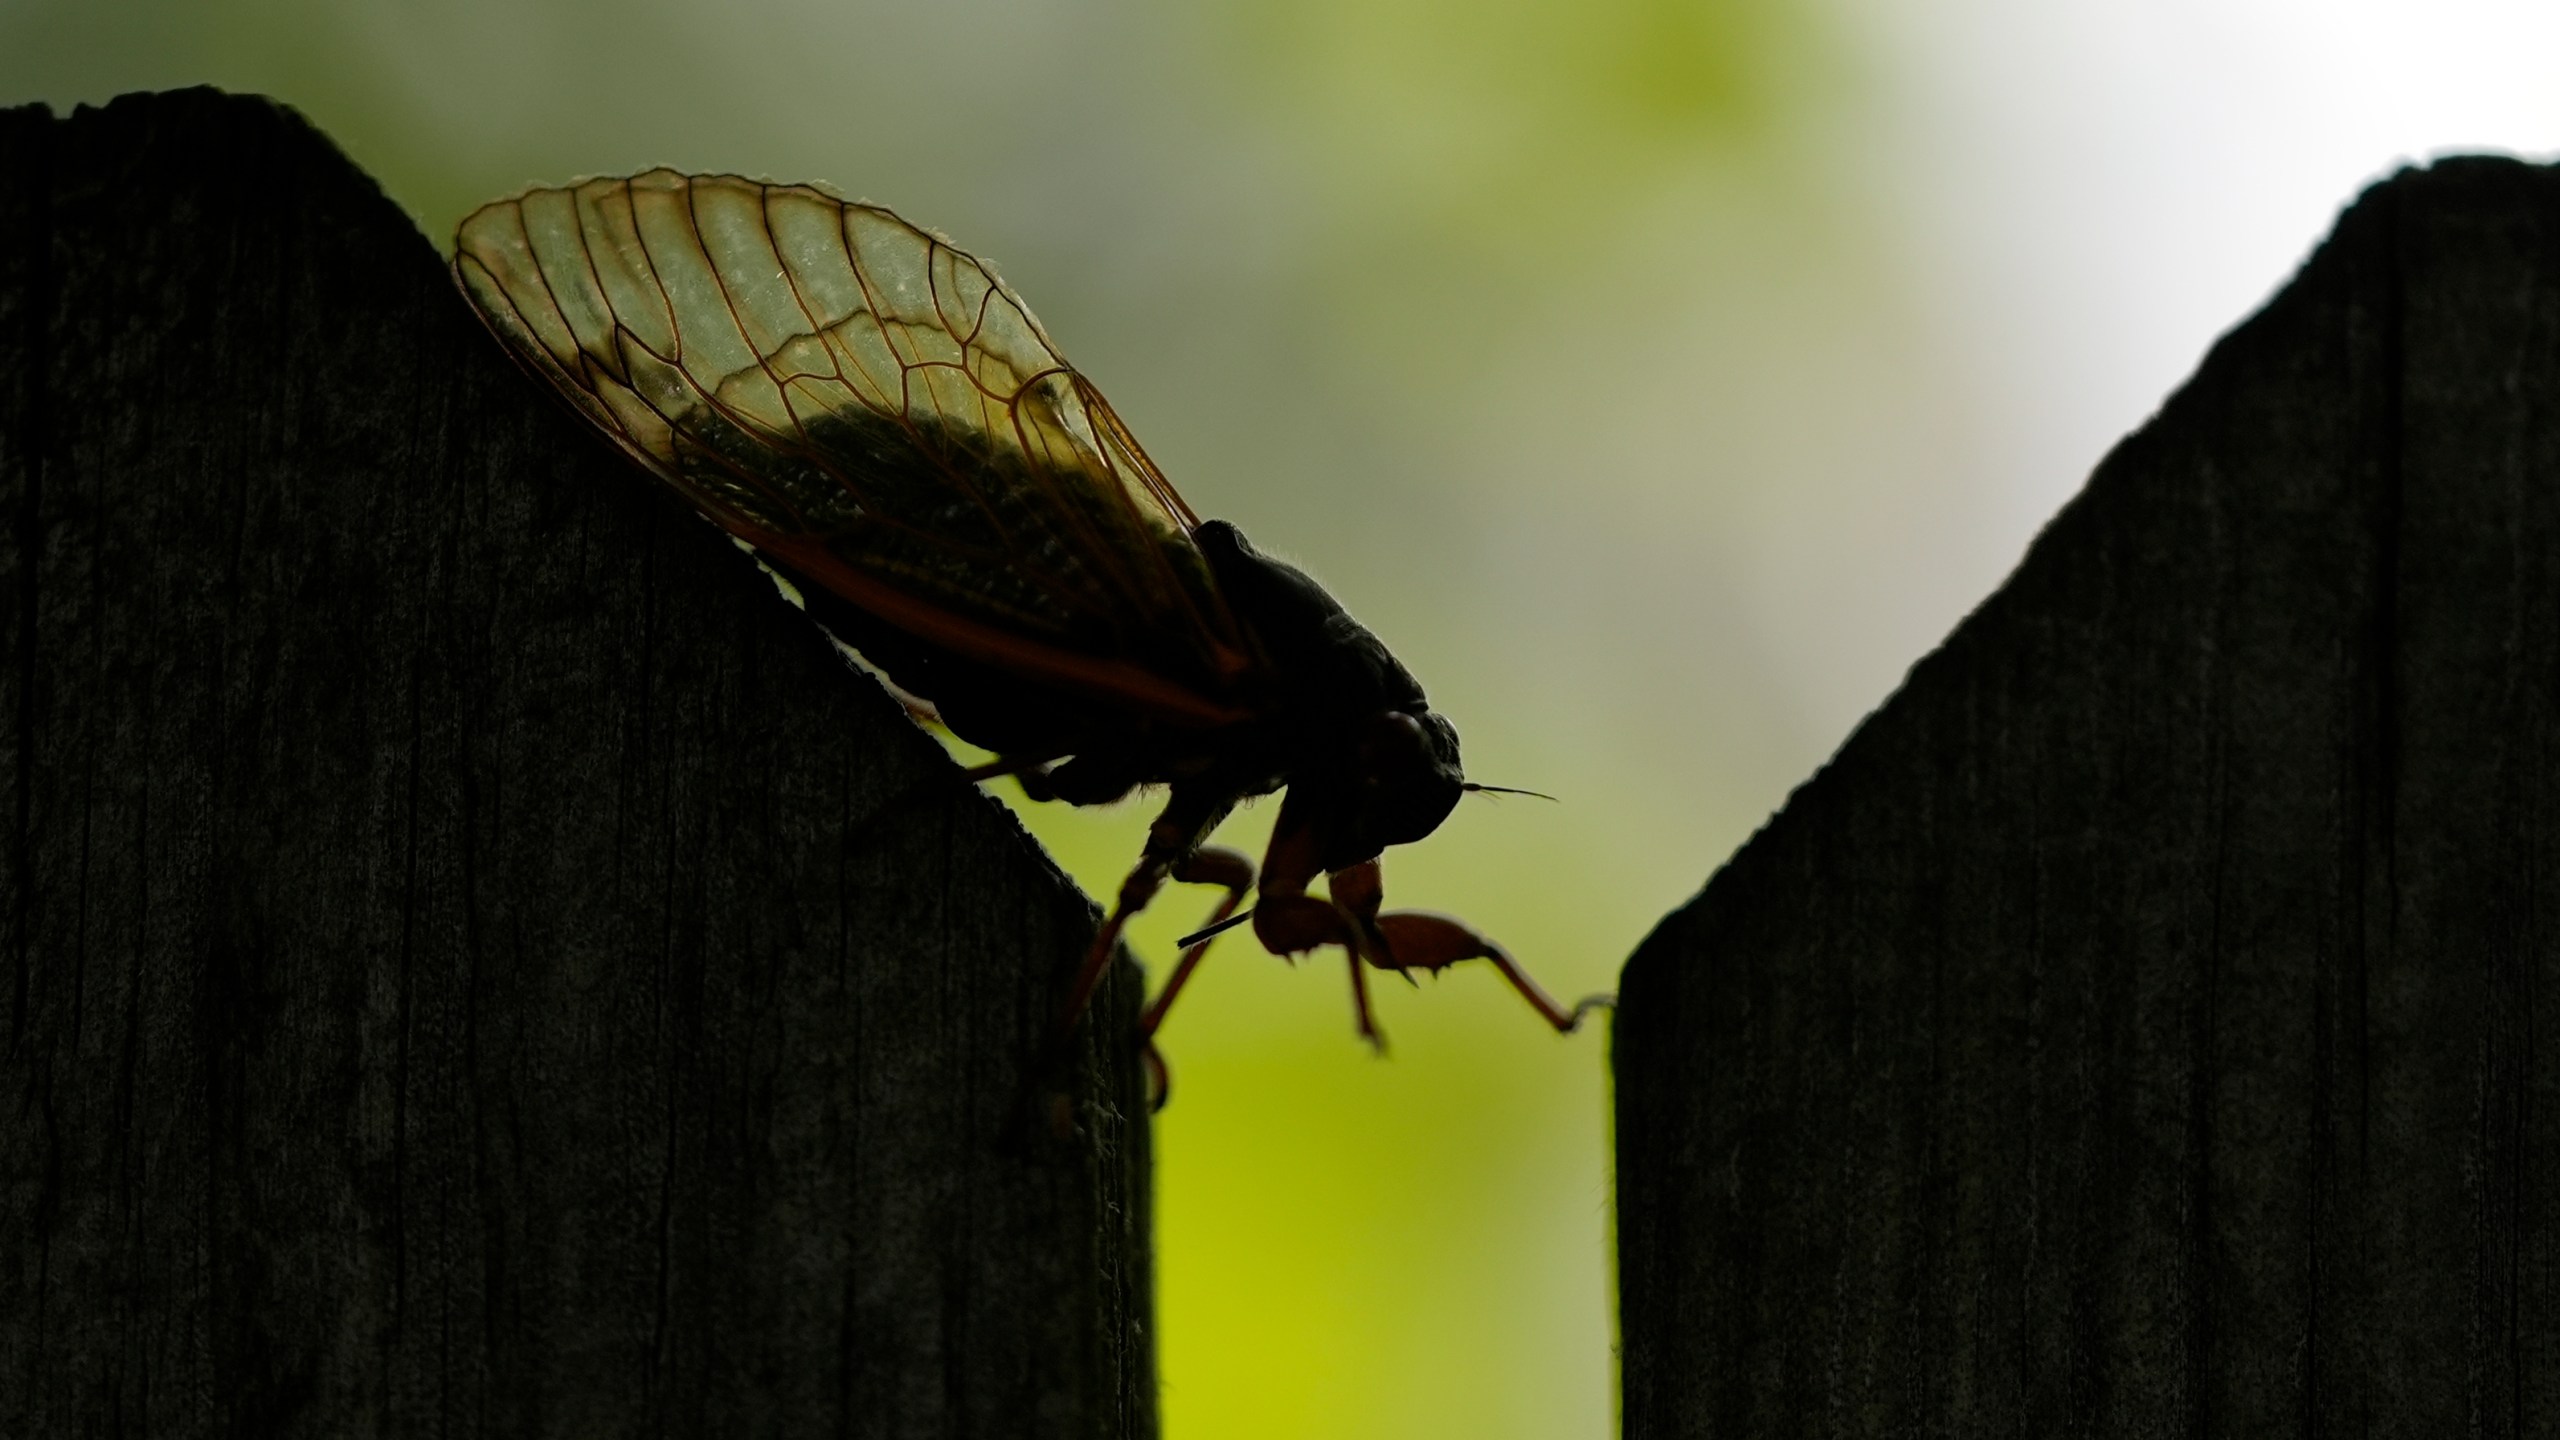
876 415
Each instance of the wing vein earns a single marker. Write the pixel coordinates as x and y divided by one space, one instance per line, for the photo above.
990 502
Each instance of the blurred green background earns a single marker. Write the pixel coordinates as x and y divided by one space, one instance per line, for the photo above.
1658 377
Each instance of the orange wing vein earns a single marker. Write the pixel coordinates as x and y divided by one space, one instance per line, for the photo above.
874 409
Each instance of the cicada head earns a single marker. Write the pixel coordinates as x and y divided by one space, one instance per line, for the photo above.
1395 781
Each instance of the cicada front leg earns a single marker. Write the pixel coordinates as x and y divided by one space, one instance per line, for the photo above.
1424 940
1286 919
1289 921
1405 941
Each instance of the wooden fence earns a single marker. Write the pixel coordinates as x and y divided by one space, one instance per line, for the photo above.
2137 1028
475 962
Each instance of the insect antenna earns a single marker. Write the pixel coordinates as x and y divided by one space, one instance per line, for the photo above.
1474 789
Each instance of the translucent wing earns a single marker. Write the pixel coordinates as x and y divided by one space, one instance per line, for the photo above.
873 408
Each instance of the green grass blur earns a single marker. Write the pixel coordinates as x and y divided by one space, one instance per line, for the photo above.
1545 334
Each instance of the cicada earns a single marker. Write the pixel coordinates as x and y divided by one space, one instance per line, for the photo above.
880 418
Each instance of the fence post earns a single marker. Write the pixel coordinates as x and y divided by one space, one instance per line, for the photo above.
475 962
2139 1026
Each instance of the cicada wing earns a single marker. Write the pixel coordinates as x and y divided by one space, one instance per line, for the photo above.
875 409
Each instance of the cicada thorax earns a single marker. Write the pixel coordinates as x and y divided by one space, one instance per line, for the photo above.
1368 762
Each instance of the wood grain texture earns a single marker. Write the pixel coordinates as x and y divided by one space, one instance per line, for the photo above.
2137 1028
475 962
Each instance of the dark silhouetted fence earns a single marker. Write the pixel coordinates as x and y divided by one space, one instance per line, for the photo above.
475 963
2149 1023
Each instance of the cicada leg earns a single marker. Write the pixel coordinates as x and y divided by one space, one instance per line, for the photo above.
1209 865
1135 892
1033 769
1421 940
1408 940
1355 892
1289 921
1083 780
1173 844
1286 919
1362 1018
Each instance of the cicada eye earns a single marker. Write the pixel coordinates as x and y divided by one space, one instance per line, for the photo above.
1408 778
1391 742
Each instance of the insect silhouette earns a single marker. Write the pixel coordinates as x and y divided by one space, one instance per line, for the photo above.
877 415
